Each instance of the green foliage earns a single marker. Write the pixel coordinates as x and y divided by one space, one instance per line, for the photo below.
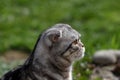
21 22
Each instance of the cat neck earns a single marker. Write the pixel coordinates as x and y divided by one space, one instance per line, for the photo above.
44 66
47 73
50 70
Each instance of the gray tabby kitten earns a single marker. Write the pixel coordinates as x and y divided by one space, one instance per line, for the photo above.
52 58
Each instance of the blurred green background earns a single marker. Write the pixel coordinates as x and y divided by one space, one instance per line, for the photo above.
21 22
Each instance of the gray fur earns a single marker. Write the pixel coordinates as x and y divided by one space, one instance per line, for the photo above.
52 57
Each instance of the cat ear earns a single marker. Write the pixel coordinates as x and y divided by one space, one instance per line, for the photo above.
54 36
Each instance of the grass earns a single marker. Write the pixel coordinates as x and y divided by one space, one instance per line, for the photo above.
6 66
22 21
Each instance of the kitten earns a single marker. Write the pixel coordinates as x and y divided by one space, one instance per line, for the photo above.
52 58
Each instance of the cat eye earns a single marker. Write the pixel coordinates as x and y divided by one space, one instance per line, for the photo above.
75 42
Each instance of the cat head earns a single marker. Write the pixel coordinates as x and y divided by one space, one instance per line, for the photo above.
62 40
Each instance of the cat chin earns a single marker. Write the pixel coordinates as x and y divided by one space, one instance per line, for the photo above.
83 52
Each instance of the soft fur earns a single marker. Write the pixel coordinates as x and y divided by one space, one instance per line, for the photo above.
52 58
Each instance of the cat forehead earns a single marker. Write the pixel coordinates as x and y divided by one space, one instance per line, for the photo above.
64 30
66 27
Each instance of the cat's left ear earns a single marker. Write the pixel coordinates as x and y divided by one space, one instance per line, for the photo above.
51 37
54 36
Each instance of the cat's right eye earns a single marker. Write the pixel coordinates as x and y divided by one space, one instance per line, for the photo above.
75 42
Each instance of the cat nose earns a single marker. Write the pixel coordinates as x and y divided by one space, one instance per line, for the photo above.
81 44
